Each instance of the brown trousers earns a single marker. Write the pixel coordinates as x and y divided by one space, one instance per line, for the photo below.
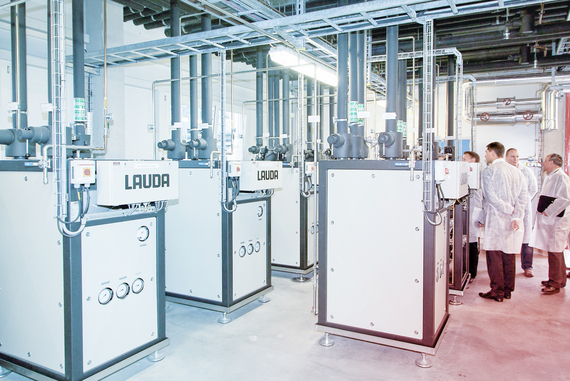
502 270
556 270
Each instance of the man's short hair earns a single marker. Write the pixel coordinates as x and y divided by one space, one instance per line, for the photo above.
497 147
474 155
556 159
509 150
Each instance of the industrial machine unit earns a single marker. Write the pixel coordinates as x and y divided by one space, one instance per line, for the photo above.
293 222
218 253
81 299
383 264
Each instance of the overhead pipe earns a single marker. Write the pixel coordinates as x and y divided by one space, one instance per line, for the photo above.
508 117
175 88
391 138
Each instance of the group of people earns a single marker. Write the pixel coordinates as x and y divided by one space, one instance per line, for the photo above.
503 208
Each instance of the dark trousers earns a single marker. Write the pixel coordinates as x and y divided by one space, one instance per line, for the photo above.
556 270
501 269
473 259
526 256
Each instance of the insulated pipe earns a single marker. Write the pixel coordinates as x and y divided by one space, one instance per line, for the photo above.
450 100
360 52
78 49
353 74
286 109
176 98
22 69
259 99
331 110
193 71
402 109
393 151
419 136
310 104
276 115
321 112
342 98
270 109
207 80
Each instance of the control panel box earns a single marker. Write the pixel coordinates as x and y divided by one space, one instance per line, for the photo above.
132 182
453 177
234 168
474 177
82 172
259 175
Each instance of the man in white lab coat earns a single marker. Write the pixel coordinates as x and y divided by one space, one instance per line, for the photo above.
475 210
504 200
512 157
553 222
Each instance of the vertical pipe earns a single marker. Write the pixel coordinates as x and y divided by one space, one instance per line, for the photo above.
49 62
321 112
310 103
78 49
259 99
402 108
419 136
567 136
450 101
276 115
286 104
331 110
193 71
15 58
395 150
270 109
353 74
176 98
360 52
22 62
342 98
207 82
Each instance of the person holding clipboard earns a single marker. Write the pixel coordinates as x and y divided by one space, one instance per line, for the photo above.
552 223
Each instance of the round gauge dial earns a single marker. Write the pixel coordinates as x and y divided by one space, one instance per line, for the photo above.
257 246
250 249
105 295
260 211
123 290
143 233
138 285
242 251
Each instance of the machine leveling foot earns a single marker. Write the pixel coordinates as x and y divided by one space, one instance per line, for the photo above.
156 356
264 299
225 319
301 279
4 372
326 341
455 302
424 362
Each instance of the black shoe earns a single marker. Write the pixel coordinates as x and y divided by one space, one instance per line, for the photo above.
507 295
550 290
489 295
545 282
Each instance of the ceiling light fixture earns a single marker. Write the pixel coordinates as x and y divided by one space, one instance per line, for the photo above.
302 64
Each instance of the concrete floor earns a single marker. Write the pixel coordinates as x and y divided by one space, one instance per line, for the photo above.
525 338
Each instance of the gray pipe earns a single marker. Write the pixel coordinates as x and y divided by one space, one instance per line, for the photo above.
175 86
321 100
259 99
49 68
403 98
309 112
14 56
286 104
331 110
270 109
394 150
276 115
360 52
353 73
207 82
450 100
193 68
78 49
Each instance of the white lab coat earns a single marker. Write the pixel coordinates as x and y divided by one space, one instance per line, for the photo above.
504 201
475 214
550 232
532 188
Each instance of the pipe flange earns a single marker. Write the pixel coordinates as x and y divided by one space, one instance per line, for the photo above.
528 115
485 117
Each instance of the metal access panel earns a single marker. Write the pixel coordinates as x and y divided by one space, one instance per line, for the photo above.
130 182
374 245
119 274
32 328
286 221
250 248
194 237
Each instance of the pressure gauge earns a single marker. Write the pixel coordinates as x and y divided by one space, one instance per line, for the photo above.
242 251
143 233
257 246
259 211
250 249
105 295
123 290
138 285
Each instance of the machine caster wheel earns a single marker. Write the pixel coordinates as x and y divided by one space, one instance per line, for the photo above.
225 319
155 357
455 302
326 341
424 362
4 372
